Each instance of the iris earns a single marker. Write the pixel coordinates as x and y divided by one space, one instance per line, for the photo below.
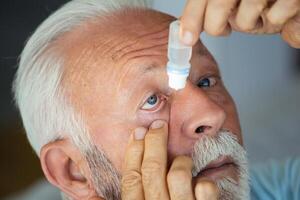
205 82
152 100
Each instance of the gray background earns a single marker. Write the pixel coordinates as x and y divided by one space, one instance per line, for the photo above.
262 75
261 72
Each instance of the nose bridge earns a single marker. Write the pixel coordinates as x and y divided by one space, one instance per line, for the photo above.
198 113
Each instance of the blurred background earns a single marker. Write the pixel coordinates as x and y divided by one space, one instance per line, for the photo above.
261 72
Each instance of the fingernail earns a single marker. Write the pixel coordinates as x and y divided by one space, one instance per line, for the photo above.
139 133
187 37
157 124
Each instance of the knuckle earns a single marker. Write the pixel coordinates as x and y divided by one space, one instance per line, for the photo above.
224 4
274 21
257 5
131 179
136 150
214 30
151 169
189 23
217 32
151 166
244 27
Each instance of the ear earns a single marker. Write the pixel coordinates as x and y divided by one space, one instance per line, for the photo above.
65 168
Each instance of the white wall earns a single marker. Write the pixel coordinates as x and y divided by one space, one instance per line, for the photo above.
258 73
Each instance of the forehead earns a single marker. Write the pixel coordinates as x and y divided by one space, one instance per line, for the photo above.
107 44
102 54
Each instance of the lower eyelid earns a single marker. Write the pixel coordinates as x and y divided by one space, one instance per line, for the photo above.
158 108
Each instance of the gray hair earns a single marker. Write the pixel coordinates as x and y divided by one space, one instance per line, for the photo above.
46 112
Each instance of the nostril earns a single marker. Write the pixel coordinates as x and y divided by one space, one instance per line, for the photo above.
201 129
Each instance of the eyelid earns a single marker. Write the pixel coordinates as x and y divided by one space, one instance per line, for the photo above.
216 76
162 98
210 74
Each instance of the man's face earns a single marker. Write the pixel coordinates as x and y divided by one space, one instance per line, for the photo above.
119 83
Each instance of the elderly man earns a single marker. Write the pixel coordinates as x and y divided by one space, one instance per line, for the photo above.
93 93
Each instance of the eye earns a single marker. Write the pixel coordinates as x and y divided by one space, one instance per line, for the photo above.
207 82
152 102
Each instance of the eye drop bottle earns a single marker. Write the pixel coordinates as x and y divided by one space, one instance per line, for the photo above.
179 55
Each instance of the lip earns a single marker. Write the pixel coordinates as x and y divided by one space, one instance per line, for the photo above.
217 166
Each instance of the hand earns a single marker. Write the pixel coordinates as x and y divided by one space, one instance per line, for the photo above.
145 174
219 17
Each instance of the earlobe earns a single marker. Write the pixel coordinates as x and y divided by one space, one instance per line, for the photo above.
63 167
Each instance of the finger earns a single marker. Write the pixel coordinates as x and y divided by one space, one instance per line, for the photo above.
132 187
282 11
216 16
291 32
206 190
192 21
249 12
180 179
263 25
155 161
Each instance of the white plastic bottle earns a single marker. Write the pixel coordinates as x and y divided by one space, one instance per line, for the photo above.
179 55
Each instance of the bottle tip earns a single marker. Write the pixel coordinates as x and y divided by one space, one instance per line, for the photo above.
177 81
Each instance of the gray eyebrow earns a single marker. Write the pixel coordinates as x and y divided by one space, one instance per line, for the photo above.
149 68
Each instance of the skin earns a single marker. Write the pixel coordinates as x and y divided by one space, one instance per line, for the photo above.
129 89
113 75
131 60
217 18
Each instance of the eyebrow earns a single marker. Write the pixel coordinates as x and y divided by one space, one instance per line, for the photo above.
143 70
149 68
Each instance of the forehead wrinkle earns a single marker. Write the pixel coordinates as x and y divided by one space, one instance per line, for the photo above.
154 50
142 42
93 45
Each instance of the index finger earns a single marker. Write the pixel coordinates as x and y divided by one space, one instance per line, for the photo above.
132 187
154 164
192 21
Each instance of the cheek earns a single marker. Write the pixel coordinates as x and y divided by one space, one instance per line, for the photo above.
113 141
145 119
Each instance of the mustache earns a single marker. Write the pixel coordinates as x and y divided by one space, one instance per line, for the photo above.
209 149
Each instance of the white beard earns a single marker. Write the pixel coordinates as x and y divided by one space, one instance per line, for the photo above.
106 179
225 143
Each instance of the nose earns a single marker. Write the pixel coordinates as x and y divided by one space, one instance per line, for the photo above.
194 113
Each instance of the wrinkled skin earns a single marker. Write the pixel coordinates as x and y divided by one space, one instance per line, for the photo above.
113 74
130 84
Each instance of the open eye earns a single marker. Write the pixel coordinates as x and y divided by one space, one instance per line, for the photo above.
152 102
207 82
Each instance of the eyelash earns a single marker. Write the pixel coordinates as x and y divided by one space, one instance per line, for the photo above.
162 100
212 78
